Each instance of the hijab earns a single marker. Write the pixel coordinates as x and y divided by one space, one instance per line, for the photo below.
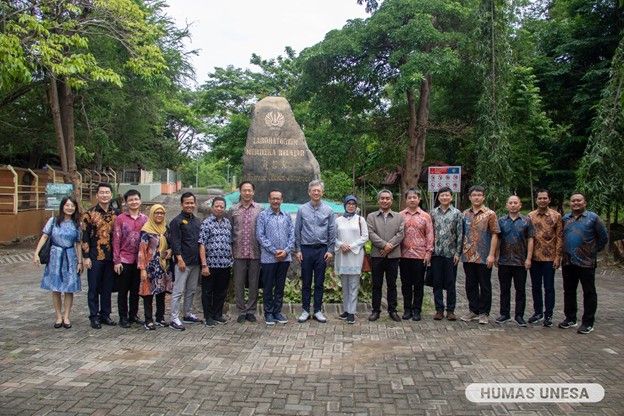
346 200
159 229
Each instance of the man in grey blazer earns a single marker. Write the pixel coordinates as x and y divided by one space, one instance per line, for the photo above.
385 230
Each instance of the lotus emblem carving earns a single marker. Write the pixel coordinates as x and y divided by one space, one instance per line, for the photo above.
274 119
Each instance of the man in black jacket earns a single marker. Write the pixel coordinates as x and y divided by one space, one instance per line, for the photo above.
184 235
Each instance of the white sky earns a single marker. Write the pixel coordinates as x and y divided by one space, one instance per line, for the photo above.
227 32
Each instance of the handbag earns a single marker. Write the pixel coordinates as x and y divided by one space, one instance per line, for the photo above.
44 253
366 261
366 264
428 277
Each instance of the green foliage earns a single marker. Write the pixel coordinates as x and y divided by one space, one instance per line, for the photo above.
332 292
601 174
367 68
212 172
532 134
493 150
126 59
55 38
337 184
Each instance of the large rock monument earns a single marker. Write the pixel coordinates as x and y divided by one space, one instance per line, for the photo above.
276 153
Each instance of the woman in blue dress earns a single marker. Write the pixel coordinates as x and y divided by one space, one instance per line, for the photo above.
62 273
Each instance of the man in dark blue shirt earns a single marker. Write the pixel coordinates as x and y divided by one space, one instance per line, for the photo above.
515 250
584 235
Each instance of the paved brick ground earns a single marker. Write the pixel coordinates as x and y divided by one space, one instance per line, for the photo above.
311 369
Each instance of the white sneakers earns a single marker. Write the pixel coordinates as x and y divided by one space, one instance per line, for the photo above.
305 315
318 316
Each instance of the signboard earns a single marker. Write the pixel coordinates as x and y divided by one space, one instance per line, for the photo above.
55 192
444 176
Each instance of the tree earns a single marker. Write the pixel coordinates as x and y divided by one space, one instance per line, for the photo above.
493 169
386 63
601 172
532 134
49 41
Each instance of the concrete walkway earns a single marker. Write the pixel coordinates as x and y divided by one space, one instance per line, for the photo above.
381 368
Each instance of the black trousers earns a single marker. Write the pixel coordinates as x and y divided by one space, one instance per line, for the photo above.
517 275
274 280
148 302
128 282
390 268
214 291
412 283
444 273
100 278
478 288
571 277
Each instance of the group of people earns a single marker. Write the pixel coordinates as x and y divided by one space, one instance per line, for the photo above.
132 253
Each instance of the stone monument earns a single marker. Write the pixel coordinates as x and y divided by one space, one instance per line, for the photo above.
276 153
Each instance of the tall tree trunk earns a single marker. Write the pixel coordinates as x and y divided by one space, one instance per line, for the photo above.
417 133
66 100
53 96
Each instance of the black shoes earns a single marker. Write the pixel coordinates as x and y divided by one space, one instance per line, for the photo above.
350 318
108 321
407 314
520 321
537 317
395 317
250 317
343 316
57 325
220 320
373 316
192 319
135 320
241 318
502 319
548 321
568 323
162 323
416 316
95 323
585 329
124 323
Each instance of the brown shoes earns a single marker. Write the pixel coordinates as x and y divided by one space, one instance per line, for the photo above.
439 315
451 316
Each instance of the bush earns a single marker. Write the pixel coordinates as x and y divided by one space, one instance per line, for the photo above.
333 288
337 185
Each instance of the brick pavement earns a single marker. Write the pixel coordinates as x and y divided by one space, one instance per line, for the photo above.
382 368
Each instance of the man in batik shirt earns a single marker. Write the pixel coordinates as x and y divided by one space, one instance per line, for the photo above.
97 255
480 240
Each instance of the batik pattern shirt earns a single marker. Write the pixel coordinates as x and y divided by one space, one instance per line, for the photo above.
216 236
127 237
448 231
548 240
275 231
244 230
97 231
478 230
583 237
418 234
514 235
